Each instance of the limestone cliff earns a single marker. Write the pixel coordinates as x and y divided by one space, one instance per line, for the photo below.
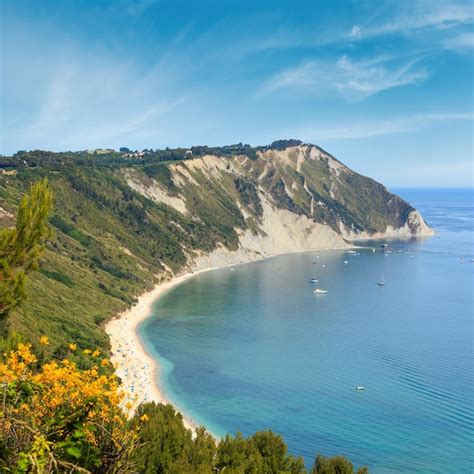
285 200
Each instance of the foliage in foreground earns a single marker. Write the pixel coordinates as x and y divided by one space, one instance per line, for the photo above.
166 446
21 246
58 418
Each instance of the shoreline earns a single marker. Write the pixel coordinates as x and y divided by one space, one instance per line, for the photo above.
137 369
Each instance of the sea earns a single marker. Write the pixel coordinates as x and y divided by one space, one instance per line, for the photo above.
252 348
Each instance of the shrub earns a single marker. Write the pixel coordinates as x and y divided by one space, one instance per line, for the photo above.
58 418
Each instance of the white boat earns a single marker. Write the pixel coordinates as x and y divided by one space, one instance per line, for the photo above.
359 388
382 281
345 262
323 266
318 291
314 280
352 252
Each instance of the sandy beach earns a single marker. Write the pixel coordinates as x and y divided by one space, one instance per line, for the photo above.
136 368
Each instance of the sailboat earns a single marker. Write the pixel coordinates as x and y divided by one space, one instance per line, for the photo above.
382 281
314 280
318 291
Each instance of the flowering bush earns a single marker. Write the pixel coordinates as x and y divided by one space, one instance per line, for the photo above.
58 418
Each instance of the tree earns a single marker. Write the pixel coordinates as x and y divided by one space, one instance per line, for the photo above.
265 452
238 455
166 446
21 247
274 454
335 465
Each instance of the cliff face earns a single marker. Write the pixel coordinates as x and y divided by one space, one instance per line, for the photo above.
295 199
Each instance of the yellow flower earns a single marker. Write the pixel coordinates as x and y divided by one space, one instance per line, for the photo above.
104 362
144 418
44 340
60 390
96 353
87 351
72 346
128 405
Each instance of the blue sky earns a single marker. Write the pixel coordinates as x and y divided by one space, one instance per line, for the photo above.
385 86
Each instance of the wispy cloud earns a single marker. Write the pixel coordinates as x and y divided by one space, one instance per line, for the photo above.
420 15
463 41
353 80
353 130
423 20
117 102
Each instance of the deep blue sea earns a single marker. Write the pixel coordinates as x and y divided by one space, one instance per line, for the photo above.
254 348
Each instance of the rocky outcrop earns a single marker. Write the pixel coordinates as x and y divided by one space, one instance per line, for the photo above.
285 200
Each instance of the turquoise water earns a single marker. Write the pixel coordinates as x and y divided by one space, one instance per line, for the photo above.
254 348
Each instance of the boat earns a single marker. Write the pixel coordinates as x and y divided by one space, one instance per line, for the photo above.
318 291
314 280
384 246
359 388
382 281
346 262
352 252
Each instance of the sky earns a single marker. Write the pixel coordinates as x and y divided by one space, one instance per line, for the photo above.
385 86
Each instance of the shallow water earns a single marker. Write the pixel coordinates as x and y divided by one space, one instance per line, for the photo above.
254 348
